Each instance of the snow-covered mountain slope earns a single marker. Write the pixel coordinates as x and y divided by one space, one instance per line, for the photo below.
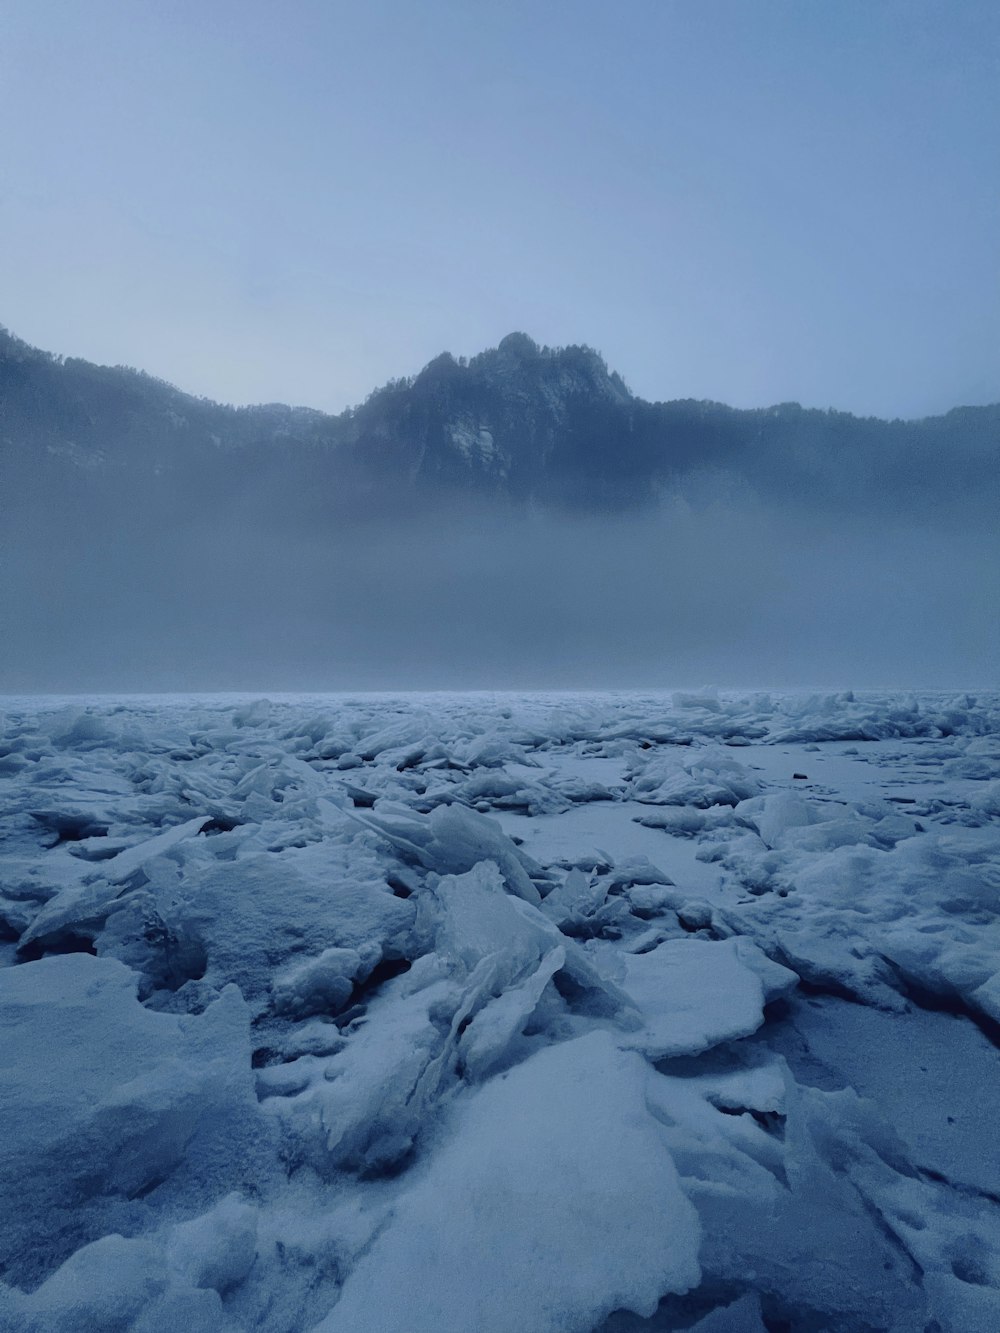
500 1012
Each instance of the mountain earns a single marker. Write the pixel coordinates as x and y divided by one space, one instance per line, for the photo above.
517 519
550 427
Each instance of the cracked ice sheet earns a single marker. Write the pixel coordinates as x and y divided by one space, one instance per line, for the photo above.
283 889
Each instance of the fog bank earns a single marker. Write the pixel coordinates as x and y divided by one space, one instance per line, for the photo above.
733 593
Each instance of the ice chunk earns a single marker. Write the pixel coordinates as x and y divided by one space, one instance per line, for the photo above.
105 1285
772 814
145 1285
703 777
104 1098
696 993
578 896
787 1192
742 1316
317 985
362 1108
78 910
707 699
551 1202
217 1249
475 919
637 870
82 908
481 922
491 1034
126 863
988 800
254 914
74 728
986 998
451 840
463 838
458 1012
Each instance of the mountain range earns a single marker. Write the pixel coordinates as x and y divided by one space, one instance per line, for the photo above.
522 424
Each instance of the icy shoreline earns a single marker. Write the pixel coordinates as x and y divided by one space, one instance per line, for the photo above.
501 1012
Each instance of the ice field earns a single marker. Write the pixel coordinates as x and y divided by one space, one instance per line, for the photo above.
498 1013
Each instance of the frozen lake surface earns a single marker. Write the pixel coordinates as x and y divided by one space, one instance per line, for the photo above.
494 1013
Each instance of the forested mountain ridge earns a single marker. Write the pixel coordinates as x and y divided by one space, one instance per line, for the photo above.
519 422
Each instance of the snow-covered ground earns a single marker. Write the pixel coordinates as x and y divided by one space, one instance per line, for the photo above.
500 1014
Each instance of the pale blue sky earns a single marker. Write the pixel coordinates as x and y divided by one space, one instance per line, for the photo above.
746 200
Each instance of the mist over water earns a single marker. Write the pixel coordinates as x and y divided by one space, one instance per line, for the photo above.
732 592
